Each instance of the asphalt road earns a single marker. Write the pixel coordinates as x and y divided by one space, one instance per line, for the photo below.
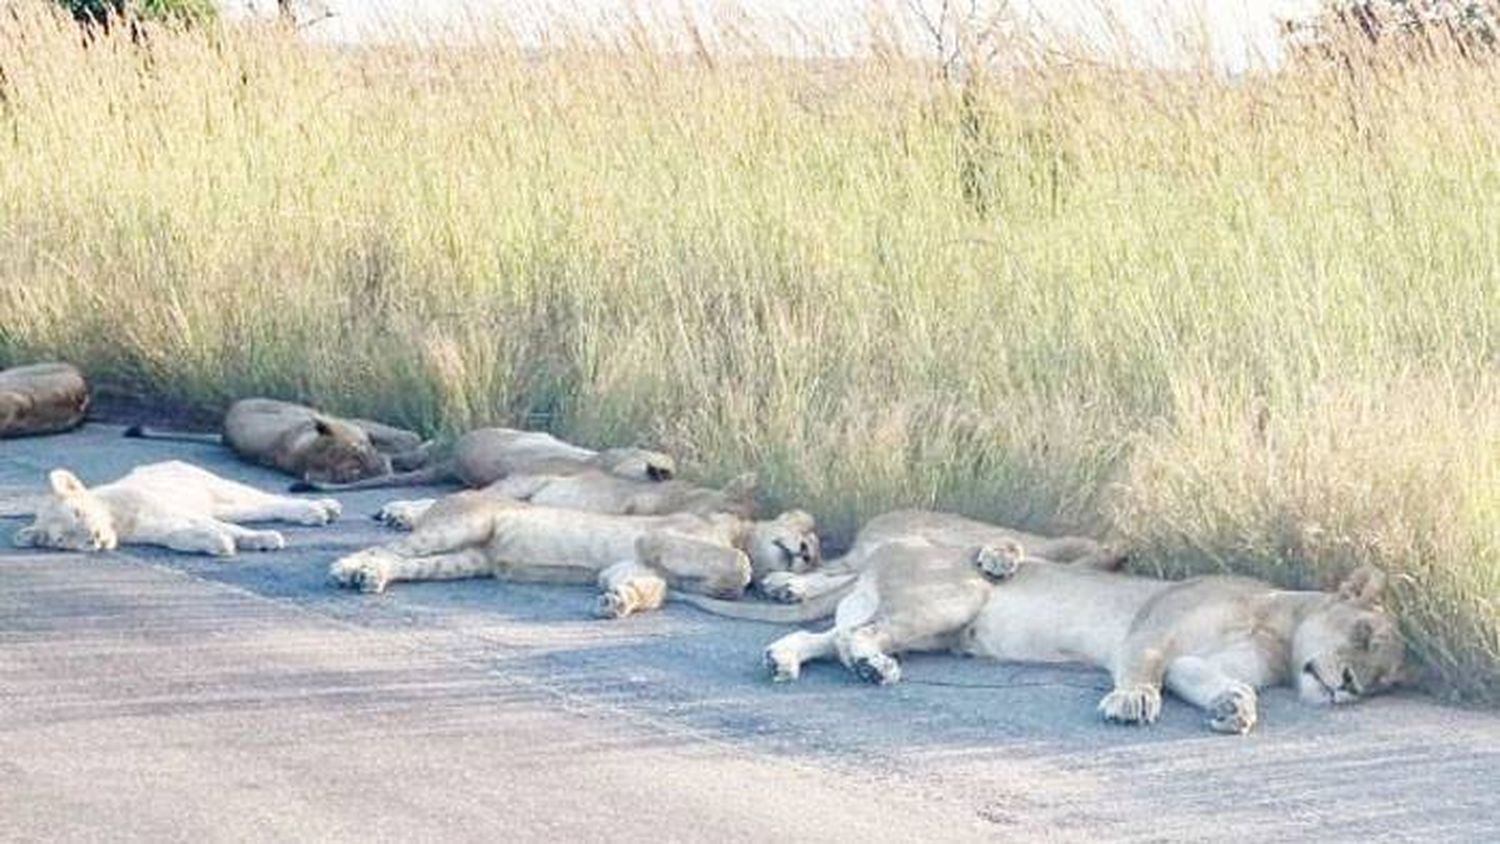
151 695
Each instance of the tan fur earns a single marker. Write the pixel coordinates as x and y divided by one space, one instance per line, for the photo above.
634 559
486 455
815 594
1212 641
597 491
44 398
314 446
172 504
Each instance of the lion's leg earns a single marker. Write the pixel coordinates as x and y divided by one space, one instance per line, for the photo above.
388 438
191 536
277 508
790 588
696 565
1140 665
1230 704
372 569
441 535
403 515
866 650
785 656
629 588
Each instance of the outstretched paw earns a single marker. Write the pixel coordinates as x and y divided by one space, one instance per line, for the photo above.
783 667
880 669
784 587
358 572
321 512
401 515
1135 705
998 562
261 540
1234 711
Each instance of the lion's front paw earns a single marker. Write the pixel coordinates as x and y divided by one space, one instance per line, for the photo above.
785 587
880 669
998 562
783 667
321 512
358 572
261 540
1136 705
398 514
220 545
1234 711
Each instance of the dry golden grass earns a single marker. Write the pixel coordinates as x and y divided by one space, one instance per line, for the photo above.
1248 326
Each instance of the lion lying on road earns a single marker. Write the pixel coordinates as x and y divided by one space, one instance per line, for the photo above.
820 590
173 504
597 491
310 445
1211 640
44 398
634 559
486 455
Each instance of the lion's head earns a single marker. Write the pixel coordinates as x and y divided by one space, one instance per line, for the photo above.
12 407
786 543
70 519
341 453
1349 647
638 464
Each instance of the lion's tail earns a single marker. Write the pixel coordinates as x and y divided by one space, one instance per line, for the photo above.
822 606
141 432
441 473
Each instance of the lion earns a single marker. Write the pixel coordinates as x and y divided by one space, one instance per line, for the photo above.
821 589
486 455
635 560
43 398
1212 641
172 504
597 491
310 445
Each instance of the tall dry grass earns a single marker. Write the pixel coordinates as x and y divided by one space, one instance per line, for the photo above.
1249 326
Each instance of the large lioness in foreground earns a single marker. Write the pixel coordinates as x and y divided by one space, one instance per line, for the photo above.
1210 640
634 559
486 455
173 504
312 445
44 398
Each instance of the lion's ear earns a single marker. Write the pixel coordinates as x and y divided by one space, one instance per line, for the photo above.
322 426
657 470
1363 586
798 520
65 483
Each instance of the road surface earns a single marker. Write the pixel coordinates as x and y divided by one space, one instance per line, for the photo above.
151 695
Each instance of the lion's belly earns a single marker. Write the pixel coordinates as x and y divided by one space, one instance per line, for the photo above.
1058 613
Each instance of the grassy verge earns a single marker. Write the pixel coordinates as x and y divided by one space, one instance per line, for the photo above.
1248 326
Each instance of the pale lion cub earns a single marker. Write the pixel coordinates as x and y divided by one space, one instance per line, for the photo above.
173 504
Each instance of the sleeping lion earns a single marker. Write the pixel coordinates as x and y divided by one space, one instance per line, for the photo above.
173 504
309 444
635 560
486 455
44 398
1212 641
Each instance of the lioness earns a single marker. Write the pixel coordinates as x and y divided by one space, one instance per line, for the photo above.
44 398
173 504
1211 640
486 455
598 491
311 445
634 559
831 581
